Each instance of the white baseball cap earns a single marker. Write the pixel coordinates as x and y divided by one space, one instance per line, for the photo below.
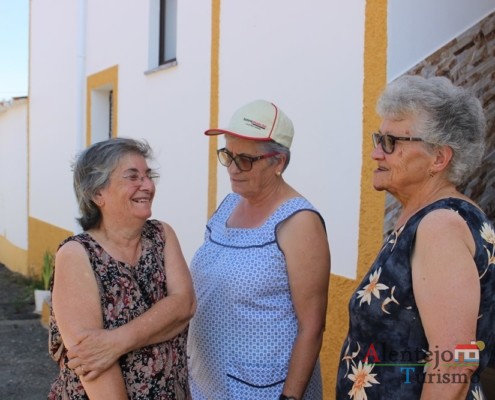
259 120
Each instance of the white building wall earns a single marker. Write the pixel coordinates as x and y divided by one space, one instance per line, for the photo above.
54 110
13 173
169 107
308 60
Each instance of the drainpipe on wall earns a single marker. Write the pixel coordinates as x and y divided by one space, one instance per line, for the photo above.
80 140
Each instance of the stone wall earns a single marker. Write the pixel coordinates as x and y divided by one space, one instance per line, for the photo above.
469 61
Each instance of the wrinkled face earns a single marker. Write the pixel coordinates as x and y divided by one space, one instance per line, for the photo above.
130 191
260 178
405 170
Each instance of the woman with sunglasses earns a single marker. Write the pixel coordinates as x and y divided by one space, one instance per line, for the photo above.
122 292
421 321
261 277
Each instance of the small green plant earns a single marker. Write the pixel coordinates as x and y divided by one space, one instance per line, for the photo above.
47 269
33 279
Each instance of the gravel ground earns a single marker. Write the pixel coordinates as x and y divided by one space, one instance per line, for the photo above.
26 369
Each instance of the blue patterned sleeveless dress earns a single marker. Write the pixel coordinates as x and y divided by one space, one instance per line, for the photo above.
241 338
385 324
156 372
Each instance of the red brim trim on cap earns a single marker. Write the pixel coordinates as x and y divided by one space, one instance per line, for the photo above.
214 132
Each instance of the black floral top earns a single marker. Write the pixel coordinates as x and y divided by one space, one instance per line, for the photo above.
154 372
384 354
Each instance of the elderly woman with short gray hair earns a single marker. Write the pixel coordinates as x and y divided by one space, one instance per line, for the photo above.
122 292
262 273
421 320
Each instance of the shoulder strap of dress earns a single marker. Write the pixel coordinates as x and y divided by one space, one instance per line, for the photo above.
82 238
155 226
467 211
291 207
461 206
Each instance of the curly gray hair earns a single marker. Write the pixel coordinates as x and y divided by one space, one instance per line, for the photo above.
443 114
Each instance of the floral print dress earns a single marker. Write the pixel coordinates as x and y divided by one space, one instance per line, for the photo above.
156 372
384 354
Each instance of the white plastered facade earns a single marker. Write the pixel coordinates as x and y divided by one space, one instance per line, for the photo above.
307 59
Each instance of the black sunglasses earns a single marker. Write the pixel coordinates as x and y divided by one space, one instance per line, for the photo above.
387 141
243 161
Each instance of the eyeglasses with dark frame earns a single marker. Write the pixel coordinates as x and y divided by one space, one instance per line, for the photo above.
387 141
242 161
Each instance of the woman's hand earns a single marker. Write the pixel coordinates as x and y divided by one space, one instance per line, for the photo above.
95 352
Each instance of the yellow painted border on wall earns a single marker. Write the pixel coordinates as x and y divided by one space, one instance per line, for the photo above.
42 237
214 90
15 258
372 203
109 76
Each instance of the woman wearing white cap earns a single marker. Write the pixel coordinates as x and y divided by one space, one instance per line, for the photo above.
261 276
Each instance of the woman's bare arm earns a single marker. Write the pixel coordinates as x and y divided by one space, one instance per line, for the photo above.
305 245
76 305
98 349
447 291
